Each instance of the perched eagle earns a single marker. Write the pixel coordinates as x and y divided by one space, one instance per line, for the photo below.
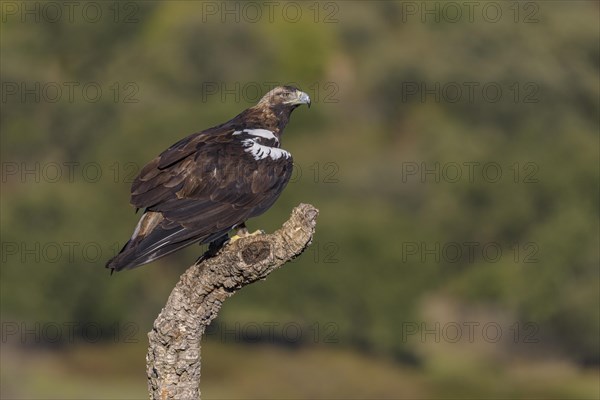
212 181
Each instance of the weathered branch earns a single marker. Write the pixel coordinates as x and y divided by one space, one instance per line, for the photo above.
173 359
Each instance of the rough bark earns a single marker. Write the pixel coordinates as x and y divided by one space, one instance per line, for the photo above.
173 359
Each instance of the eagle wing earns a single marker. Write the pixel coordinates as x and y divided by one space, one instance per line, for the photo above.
199 189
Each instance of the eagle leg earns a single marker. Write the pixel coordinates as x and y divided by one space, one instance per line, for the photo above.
242 232
216 245
213 248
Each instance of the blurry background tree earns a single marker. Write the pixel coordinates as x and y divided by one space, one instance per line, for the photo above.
415 114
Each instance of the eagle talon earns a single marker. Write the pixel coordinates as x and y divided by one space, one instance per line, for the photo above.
243 233
234 239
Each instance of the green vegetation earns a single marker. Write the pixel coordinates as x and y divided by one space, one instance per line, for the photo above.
384 264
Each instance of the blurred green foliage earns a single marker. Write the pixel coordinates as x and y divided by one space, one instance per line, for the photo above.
352 149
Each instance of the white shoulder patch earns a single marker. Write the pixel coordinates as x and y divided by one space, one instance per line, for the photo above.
260 152
263 133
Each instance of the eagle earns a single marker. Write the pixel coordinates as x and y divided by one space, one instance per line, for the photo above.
211 182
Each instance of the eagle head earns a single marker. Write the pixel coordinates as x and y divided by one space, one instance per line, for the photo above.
284 97
273 110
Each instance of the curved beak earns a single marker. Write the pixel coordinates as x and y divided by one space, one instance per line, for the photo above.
302 98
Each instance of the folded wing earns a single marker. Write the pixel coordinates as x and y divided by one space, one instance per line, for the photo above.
198 190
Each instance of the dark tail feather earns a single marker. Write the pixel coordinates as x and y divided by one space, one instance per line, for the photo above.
152 241
117 263
133 255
